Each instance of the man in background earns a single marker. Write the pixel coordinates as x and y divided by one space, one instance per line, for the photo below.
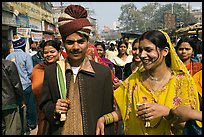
24 65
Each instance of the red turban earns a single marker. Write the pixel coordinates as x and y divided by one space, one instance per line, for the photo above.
75 19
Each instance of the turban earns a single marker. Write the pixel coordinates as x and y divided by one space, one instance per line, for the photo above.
74 20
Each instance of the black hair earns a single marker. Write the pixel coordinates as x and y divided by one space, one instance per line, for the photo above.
120 43
126 37
191 42
54 43
159 40
111 44
41 44
100 43
135 41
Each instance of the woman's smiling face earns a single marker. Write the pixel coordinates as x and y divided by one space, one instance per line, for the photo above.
135 52
150 55
51 54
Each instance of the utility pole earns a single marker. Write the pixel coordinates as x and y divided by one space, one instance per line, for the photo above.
188 15
172 7
61 6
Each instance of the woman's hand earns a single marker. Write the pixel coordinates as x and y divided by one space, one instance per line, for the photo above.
186 113
116 83
100 126
151 111
23 106
62 106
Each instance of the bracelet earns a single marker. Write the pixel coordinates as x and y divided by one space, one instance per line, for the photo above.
170 116
108 118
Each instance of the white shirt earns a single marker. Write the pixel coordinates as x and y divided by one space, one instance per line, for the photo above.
75 72
119 62
111 54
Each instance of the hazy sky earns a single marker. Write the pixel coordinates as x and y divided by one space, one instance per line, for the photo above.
108 12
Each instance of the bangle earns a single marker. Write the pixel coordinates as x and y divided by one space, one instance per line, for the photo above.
108 118
170 116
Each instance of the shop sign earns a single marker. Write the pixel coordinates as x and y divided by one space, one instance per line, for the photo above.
49 27
24 32
48 37
35 24
36 36
22 21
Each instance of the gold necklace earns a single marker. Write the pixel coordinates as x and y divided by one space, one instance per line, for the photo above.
154 78
156 83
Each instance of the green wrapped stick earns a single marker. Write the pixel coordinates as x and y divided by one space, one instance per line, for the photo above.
61 83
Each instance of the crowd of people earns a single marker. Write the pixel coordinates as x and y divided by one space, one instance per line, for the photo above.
73 87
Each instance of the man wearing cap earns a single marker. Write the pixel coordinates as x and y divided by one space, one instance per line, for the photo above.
24 65
112 52
76 91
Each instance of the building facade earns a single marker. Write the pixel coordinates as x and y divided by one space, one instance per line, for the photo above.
31 20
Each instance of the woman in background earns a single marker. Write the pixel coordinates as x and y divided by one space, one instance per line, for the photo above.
122 59
100 46
186 49
51 54
136 61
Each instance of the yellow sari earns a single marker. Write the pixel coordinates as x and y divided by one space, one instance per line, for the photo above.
198 80
179 90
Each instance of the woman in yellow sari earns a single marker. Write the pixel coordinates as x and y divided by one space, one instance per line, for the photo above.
164 85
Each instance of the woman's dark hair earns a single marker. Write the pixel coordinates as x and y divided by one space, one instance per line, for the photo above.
41 44
158 39
54 43
100 43
135 41
126 37
120 43
189 40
